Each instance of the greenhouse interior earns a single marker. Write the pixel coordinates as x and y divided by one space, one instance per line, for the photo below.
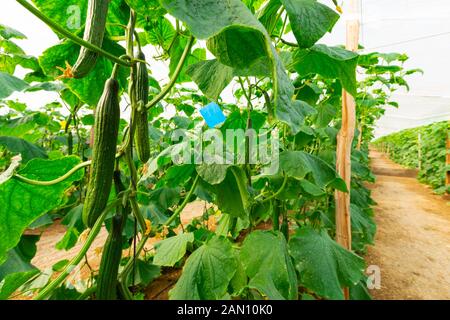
239 150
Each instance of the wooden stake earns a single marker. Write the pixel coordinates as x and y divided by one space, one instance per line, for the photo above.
344 142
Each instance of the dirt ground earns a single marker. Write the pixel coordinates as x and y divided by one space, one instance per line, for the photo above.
412 245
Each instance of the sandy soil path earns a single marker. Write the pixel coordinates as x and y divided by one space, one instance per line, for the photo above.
412 245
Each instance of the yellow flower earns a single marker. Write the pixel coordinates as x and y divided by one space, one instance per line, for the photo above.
339 9
98 251
148 227
83 236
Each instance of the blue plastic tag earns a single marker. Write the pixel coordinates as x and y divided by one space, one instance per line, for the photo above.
212 114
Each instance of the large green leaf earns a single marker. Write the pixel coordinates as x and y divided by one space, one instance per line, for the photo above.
329 62
234 186
171 250
23 203
211 76
90 88
323 265
239 40
267 263
298 164
10 84
207 272
26 149
310 20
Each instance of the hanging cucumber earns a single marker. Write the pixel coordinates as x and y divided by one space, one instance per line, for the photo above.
140 112
112 251
94 32
106 128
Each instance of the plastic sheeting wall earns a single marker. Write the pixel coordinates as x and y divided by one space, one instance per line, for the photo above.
421 29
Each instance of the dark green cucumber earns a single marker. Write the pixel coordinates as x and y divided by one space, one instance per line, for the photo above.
106 128
112 251
94 32
140 112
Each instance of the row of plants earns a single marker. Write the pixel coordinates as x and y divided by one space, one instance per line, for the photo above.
272 231
423 148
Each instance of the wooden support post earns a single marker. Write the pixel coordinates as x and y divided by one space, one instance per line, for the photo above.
345 139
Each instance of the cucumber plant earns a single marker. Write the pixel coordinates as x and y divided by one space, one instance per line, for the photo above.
267 231
423 148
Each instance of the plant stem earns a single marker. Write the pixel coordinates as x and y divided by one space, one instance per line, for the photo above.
184 203
55 181
175 75
76 260
56 27
279 190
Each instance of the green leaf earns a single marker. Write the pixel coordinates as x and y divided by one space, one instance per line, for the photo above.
311 188
71 14
211 76
178 175
234 186
325 114
212 173
14 281
90 88
298 164
309 20
21 127
360 291
18 269
27 150
207 272
69 240
10 47
147 8
171 250
363 227
323 265
8 33
19 258
267 263
10 84
144 273
23 203
329 62
160 32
